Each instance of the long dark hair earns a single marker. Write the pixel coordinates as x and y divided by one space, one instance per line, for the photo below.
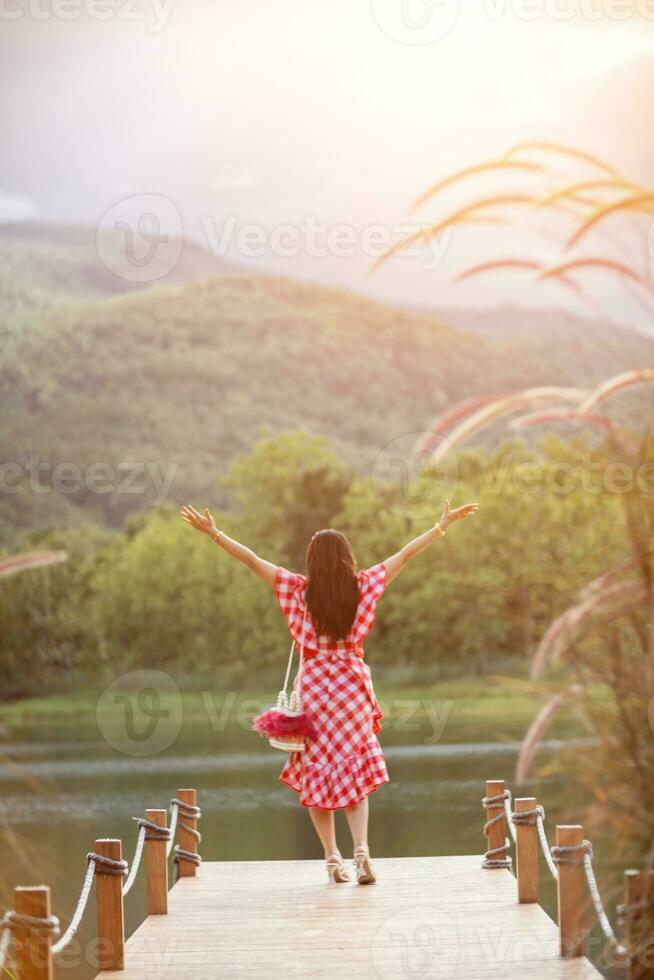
333 590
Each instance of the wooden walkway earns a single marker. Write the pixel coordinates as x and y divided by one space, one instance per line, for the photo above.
429 918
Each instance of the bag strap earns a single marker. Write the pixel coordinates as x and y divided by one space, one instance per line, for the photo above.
290 656
298 679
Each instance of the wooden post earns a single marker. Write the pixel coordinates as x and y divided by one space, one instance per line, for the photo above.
497 833
109 896
33 946
527 853
638 900
570 894
187 842
157 866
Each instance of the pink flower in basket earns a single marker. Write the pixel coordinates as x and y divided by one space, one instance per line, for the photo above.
282 723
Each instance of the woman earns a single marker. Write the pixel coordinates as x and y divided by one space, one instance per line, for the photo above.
333 607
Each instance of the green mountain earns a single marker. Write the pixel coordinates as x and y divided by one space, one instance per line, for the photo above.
46 265
110 405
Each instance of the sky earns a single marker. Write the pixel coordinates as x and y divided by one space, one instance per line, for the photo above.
293 136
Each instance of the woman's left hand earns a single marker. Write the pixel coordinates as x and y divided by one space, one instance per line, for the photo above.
204 523
450 516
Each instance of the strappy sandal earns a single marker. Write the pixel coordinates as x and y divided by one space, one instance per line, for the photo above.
336 870
362 867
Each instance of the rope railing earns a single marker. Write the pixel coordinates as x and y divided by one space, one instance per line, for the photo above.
148 830
571 852
115 879
600 911
497 856
536 817
37 925
80 908
173 811
136 860
570 862
189 812
509 815
581 855
4 941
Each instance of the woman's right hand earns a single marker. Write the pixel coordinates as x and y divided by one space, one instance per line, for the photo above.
205 524
450 516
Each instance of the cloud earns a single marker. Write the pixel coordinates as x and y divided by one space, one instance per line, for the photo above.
15 208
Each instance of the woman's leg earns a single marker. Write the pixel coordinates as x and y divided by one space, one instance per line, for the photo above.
357 819
323 821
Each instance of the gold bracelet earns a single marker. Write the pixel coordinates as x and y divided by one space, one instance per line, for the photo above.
217 536
439 530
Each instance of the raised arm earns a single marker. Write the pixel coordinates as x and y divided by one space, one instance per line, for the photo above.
396 562
206 525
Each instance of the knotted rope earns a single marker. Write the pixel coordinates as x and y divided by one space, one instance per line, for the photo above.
148 830
153 831
95 864
106 865
48 926
189 811
581 856
16 920
528 817
101 865
537 817
571 854
498 857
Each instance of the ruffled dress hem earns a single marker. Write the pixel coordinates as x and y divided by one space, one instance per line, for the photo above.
340 806
340 785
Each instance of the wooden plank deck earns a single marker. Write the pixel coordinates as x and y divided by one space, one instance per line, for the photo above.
427 917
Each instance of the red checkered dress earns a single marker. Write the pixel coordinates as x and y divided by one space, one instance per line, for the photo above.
345 763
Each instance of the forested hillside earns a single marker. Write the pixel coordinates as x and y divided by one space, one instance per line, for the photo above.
47 265
170 383
187 377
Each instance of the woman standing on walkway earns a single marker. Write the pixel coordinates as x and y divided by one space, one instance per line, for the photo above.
334 607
